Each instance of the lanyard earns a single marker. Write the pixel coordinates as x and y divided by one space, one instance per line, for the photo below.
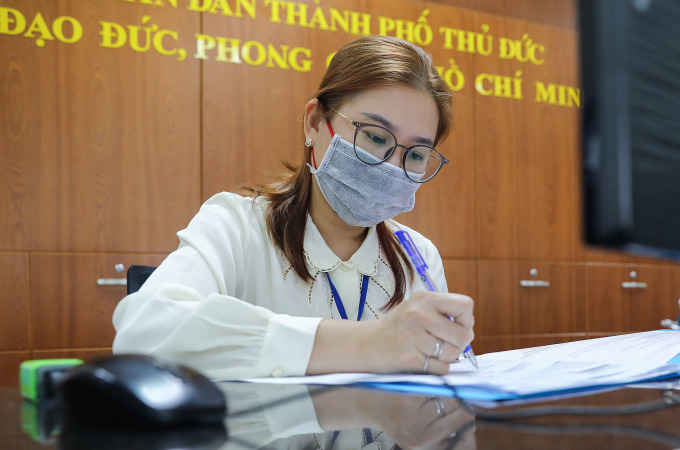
368 436
338 301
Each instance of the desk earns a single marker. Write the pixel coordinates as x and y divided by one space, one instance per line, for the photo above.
271 416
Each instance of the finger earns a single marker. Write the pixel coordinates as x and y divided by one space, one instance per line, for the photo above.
447 352
453 334
437 367
456 306
450 352
431 345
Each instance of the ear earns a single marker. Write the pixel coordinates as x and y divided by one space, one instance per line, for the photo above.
311 120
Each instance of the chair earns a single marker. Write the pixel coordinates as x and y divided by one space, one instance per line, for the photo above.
136 276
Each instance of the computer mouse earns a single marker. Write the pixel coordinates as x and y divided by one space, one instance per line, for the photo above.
138 390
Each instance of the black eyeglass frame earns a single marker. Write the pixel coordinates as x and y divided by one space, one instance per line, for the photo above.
359 125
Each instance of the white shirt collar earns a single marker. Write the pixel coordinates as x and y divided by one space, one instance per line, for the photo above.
322 258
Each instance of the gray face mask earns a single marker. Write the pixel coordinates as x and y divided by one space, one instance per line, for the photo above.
363 194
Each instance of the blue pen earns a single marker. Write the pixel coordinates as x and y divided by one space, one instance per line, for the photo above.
421 267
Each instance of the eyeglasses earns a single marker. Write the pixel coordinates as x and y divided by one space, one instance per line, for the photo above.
374 144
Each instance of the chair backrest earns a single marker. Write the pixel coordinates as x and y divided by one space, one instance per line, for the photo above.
136 276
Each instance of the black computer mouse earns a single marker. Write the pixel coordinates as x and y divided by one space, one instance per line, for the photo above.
138 390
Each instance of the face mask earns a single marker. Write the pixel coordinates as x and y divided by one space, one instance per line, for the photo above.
362 194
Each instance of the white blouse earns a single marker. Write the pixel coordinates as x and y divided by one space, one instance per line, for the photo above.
228 303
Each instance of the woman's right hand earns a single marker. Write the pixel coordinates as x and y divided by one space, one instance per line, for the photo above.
408 335
404 340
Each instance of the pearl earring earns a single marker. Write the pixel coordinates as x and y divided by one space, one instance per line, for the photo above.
308 142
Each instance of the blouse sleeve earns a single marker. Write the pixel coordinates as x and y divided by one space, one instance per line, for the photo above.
188 311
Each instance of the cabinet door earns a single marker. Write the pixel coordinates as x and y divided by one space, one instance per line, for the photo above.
530 299
631 297
14 301
71 309
9 367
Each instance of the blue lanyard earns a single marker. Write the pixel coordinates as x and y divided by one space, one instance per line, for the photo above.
338 301
368 436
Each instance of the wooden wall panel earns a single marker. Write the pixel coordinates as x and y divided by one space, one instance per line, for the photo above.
14 301
548 193
461 276
554 13
102 144
84 354
527 166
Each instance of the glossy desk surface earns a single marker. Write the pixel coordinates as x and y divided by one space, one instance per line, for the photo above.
281 416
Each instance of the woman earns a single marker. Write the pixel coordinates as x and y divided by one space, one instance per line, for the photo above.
255 280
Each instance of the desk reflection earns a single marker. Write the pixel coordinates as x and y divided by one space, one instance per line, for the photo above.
309 417
313 417
301 417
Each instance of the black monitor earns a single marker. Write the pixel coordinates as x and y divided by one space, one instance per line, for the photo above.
630 75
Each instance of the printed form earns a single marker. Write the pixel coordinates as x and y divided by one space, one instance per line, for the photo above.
550 369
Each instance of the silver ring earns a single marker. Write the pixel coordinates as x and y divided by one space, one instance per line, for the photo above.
438 348
439 404
427 361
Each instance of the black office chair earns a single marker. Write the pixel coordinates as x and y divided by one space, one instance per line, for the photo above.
136 276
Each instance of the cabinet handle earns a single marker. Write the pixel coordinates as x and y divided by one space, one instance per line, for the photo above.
534 283
633 285
111 282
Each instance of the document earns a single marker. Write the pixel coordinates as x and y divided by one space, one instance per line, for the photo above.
535 371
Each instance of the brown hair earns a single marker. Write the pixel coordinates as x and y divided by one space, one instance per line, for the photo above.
365 63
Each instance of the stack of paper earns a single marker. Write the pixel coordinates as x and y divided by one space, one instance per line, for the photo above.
536 371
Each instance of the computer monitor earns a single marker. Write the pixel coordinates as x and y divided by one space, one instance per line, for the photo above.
630 75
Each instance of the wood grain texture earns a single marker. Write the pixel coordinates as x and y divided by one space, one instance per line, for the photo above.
461 276
69 309
84 354
9 366
613 308
554 13
504 307
100 146
14 301
526 152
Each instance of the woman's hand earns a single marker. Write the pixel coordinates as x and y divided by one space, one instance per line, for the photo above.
425 333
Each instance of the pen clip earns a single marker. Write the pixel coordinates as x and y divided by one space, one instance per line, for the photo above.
413 252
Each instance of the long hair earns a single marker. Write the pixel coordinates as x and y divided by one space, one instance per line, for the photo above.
365 63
